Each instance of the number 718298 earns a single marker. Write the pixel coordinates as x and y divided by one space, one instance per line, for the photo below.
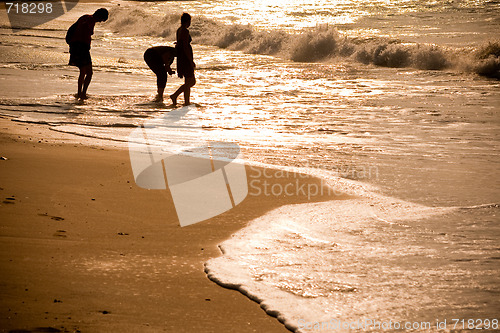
477 324
29 7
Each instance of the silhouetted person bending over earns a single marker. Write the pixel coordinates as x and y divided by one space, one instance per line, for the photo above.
79 48
159 59
185 63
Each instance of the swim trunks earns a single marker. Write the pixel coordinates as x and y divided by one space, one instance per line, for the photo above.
79 54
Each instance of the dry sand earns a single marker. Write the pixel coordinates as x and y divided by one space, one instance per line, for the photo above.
84 249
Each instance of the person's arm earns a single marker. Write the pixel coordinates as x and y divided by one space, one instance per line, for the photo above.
170 71
168 58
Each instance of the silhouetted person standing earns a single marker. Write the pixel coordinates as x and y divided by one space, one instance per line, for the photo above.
79 47
159 59
185 63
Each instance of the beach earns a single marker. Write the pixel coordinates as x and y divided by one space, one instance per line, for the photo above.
85 249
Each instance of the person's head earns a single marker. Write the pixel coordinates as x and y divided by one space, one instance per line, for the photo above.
186 19
101 15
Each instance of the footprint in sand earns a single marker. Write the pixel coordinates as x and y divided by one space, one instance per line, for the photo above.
60 233
9 200
55 218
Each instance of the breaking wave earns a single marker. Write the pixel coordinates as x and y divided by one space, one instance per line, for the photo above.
321 44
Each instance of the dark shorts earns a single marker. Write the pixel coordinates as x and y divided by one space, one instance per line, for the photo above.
79 55
155 61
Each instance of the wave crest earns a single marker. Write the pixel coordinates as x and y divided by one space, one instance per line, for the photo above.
315 45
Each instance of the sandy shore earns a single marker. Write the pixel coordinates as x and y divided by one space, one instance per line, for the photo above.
84 249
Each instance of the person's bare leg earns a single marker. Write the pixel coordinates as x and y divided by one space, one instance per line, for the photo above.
161 84
86 82
173 99
176 94
81 79
186 89
160 92
191 81
159 97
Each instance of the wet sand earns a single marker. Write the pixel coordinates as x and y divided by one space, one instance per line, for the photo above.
84 249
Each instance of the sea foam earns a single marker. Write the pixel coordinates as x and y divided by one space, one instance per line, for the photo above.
323 43
314 262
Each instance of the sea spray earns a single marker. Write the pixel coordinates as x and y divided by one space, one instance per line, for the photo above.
319 44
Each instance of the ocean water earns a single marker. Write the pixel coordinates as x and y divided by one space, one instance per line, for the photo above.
396 102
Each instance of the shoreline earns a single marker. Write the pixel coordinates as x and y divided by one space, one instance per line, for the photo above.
85 249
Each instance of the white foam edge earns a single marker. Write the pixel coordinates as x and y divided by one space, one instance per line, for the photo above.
360 191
